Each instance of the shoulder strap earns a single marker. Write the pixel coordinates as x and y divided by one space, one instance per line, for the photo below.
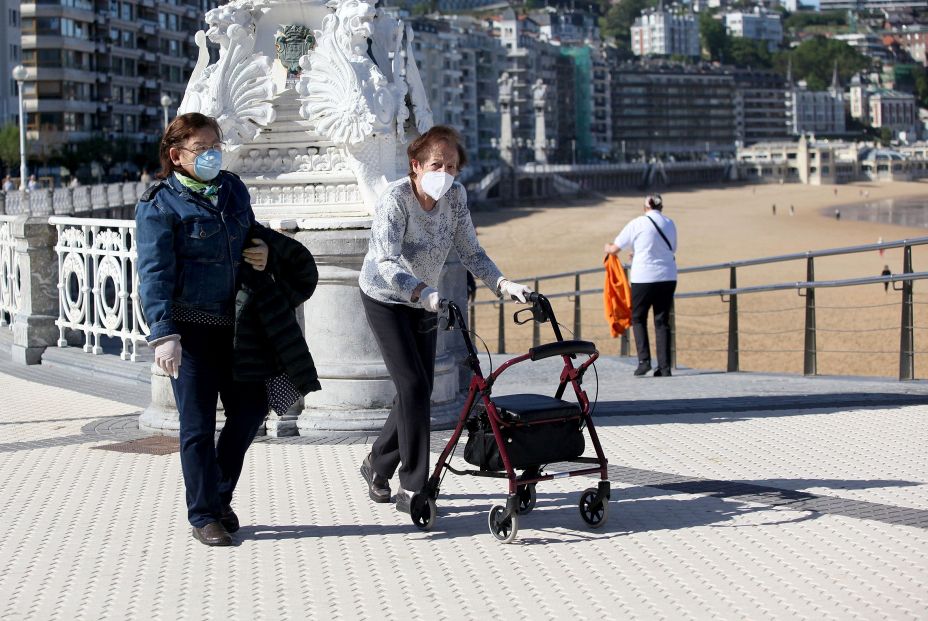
660 232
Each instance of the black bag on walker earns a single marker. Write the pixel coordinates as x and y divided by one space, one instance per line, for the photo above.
527 445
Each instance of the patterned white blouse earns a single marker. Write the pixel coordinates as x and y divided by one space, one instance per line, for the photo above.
409 245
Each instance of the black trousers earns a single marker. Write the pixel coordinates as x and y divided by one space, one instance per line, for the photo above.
658 295
211 468
406 337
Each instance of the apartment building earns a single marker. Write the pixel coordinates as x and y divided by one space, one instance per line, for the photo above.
101 68
758 25
662 32
681 110
761 111
10 56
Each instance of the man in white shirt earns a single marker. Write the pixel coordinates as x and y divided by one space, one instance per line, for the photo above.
652 241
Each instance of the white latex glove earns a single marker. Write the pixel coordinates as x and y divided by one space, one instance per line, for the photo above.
168 356
256 255
513 290
429 298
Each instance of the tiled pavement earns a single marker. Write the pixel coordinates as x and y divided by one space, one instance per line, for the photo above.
740 496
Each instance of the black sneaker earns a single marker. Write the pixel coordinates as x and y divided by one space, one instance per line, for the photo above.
662 373
378 488
402 500
642 369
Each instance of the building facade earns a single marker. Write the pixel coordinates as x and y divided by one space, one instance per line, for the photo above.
893 109
660 32
817 112
761 110
10 56
459 63
672 110
758 25
101 69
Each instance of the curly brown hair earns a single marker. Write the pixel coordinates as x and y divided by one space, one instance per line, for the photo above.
419 148
177 132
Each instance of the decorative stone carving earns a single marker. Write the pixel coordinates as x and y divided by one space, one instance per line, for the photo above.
236 89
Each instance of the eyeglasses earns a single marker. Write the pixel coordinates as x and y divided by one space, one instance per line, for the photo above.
219 146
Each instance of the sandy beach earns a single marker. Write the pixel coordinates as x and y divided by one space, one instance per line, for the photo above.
858 327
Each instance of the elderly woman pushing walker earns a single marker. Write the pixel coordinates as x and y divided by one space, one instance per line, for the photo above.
417 221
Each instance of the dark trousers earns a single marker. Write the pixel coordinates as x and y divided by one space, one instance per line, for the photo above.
211 468
406 337
658 295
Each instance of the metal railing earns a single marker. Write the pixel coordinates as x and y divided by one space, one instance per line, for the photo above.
98 283
729 295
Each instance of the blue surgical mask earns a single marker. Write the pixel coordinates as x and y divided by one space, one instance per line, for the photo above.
207 165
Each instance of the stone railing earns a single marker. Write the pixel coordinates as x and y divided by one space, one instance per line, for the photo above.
98 283
84 199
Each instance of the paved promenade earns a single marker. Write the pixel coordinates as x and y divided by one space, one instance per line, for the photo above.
735 496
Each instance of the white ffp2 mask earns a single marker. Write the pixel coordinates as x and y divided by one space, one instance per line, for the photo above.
436 183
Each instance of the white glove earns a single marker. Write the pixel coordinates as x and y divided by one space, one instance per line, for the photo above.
168 356
513 290
429 298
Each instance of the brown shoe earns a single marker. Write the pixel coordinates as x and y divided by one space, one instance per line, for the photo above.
378 488
229 520
213 534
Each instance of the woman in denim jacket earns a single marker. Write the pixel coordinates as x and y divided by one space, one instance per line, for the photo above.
192 237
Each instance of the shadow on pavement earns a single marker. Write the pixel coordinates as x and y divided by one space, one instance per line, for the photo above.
637 509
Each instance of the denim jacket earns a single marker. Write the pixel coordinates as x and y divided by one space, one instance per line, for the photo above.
189 250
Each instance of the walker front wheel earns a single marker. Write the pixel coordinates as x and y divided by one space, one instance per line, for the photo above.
502 527
593 509
423 510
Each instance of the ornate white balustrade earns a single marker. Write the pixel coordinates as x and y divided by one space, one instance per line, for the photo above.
98 283
10 291
67 201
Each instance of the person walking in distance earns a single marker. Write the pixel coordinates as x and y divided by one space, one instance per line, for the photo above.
886 272
652 241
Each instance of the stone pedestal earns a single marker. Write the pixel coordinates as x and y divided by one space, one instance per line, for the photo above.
35 271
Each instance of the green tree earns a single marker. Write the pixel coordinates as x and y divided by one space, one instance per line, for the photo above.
801 20
750 53
814 60
886 136
9 146
716 43
618 20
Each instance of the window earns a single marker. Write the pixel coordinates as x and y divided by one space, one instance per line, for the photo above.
13 18
14 52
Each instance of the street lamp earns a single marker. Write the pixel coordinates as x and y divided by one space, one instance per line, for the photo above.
20 74
166 102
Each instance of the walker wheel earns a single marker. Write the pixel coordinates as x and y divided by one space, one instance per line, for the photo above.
527 498
423 511
593 509
503 528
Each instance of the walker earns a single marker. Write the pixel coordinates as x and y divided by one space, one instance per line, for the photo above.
522 432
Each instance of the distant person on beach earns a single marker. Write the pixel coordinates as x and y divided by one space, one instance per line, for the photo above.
882 251
792 210
652 241
886 272
773 208
837 214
